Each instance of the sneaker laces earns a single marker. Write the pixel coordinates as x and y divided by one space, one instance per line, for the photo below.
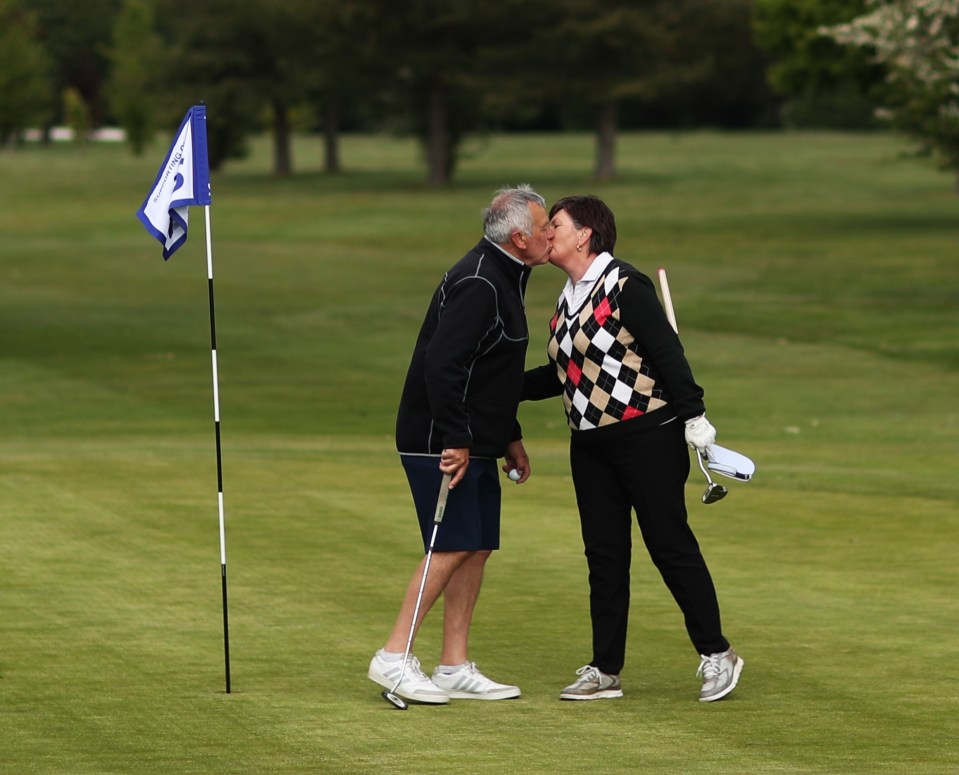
709 666
414 671
588 673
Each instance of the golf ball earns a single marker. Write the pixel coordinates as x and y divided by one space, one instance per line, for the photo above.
515 475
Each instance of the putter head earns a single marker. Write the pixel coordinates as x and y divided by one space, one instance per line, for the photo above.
714 492
395 700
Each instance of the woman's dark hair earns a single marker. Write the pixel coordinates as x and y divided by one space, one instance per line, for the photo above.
590 211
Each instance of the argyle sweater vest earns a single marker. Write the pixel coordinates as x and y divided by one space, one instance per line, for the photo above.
605 377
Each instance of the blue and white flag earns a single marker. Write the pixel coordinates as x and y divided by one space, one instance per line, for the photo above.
183 180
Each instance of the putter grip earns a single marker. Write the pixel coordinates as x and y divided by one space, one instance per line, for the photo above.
441 500
667 299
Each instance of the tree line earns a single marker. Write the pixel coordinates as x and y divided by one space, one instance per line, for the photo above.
441 70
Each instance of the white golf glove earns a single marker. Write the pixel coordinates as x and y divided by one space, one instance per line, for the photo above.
700 433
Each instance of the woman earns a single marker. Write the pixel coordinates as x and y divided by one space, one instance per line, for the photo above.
632 406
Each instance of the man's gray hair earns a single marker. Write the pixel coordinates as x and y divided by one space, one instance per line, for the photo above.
509 212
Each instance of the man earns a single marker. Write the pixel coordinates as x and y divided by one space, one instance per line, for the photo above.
457 416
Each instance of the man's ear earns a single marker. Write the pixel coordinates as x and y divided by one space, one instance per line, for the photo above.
518 239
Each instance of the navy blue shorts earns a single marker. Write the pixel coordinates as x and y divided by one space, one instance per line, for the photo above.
471 519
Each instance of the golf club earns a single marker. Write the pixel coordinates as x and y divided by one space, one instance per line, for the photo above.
714 492
390 694
719 459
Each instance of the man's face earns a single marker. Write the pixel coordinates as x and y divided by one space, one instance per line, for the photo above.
539 242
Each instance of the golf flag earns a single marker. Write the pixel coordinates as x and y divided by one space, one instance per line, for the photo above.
183 180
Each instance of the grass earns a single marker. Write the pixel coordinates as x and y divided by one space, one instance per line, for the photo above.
815 282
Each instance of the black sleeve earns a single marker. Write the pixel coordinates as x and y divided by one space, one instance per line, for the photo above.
643 316
541 382
467 313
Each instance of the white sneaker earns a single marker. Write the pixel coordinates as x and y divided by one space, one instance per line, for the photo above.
468 683
720 674
415 686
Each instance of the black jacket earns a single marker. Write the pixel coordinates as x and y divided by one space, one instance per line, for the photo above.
465 379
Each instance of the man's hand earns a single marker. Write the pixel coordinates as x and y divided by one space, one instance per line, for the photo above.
517 458
699 433
455 462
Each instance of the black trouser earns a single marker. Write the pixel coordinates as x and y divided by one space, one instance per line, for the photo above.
647 472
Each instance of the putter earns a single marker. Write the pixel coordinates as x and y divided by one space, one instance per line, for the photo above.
719 459
390 695
714 492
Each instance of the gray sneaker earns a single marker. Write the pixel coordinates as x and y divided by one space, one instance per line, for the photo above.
720 674
592 684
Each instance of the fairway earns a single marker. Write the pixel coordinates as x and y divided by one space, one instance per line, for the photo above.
816 285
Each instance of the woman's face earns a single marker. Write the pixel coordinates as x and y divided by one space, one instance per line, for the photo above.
565 237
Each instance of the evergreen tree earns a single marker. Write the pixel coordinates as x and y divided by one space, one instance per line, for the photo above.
25 92
132 86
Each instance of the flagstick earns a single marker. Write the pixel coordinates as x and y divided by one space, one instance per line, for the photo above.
219 462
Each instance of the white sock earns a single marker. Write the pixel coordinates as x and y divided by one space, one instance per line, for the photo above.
450 669
391 656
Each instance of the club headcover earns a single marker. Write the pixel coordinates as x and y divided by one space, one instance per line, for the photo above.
729 463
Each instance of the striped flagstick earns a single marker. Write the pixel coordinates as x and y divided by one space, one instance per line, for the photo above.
184 181
219 458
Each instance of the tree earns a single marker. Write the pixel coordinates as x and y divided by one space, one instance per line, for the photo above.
229 56
435 83
76 36
134 57
279 50
718 70
824 84
917 41
599 54
26 96
76 113
604 56
347 61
